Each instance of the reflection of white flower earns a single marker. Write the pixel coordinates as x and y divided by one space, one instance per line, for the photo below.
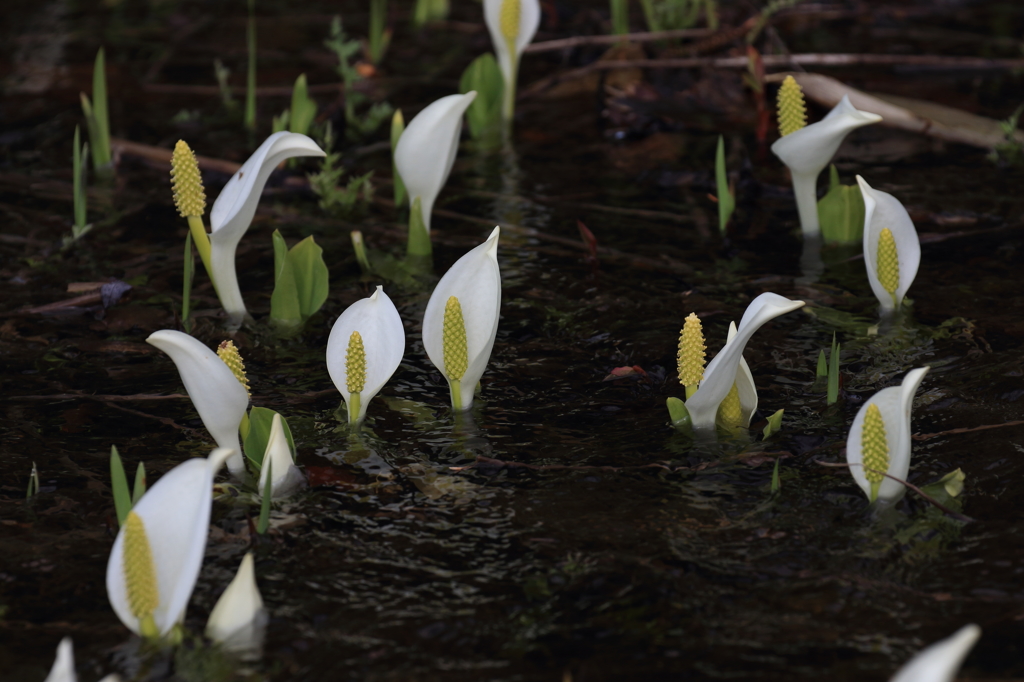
724 371
892 250
219 398
461 320
234 209
880 439
369 338
157 554
238 618
941 661
512 25
426 152
808 150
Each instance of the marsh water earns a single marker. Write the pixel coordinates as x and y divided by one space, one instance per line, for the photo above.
561 529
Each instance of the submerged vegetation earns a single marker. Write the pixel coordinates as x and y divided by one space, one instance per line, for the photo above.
471 476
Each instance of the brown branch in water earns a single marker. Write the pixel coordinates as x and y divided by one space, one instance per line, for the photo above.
480 459
927 436
163 156
813 59
928 498
163 420
642 37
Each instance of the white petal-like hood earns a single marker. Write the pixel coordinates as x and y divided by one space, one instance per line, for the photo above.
426 150
529 21
176 514
236 618
941 661
219 398
744 384
279 462
883 210
720 374
63 669
235 207
895 404
379 324
808 150
476 281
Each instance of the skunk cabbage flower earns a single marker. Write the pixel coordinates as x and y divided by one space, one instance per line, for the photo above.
723 373
63 669
740 403
365 348
158 551
941 661
512 24
424 157
234 209
806 151
238 618
892 251
879 439
217 394
461 320
279 462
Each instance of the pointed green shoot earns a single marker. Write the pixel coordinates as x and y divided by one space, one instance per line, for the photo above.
679 415
188 275
250 80
119 486
101 142
419 239
833 374
360 249
379 37
774 424
300 282
397 128
726 200
776 484
79 157
303 109
620 17
255 441
33 483
139 488
484 115
264 520
285 311
841 212
822 369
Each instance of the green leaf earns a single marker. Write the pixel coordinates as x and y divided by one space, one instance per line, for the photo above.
140 484
678 413
841 212
774 425
776 484
310 275
285 310
484 114
303 109
255 444
264 521
79 157
833 374
726 201
250 76
119 486
100 143
397 128
822 370
186 286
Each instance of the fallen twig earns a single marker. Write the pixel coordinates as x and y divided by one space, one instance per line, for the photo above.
480 459
643 37
927 436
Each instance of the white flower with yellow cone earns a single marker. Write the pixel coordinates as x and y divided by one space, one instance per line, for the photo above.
238 619
365 347
512 25
892 250
461 320
879 442
159 550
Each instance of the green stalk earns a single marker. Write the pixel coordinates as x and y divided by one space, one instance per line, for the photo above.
456 390
360 248
508 102
620 16
690 390
101 146
202 244
419 239
186 287
378 39
250 83
78 182
354 405
264 521
397 128
833 375
119 486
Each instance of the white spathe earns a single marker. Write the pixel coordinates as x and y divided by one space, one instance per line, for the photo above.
234 209
238 619
219 398
175 512
279 462
476 281
882 210
807 151
941 661
721 373
744 384
380 326
895 404
508 55
63 669
426 150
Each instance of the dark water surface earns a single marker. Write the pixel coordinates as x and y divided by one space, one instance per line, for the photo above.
529 538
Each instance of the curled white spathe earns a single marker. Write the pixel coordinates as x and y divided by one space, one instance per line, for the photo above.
238 618
175 512
426 150
894 404
476 281
807 151
882 210
235 207
219 398
380 326
279 462
721 372
745 387
941 661
529 21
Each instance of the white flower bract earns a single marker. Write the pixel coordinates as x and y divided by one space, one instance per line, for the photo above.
884 211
